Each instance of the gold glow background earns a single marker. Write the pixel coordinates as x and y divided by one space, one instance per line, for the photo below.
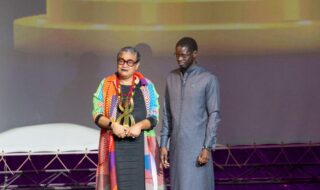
221 27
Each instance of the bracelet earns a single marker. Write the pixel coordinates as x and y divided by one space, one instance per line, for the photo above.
207 148
110 124
96 120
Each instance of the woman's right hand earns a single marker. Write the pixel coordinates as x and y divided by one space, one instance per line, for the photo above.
118 130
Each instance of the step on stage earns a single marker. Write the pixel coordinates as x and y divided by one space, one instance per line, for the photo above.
280 166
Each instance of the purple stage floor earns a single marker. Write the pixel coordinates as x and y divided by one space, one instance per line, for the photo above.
284 166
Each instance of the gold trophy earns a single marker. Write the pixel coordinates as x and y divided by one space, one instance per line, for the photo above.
126 107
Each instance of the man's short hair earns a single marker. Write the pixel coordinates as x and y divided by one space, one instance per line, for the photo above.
188 42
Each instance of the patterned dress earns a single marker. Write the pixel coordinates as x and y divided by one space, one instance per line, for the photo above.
105 102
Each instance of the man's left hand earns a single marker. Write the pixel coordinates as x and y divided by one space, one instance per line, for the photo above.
204 156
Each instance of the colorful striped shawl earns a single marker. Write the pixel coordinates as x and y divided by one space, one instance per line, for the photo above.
105 102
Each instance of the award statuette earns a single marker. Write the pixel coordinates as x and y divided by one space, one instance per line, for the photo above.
126 107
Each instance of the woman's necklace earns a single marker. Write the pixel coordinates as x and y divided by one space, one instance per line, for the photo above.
125 104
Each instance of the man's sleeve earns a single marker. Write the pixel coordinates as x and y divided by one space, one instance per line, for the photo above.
213 110
166 121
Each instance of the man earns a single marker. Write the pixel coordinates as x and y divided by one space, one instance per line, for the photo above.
190 119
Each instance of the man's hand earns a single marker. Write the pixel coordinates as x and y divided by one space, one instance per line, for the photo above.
203 157
133 131
164 157
118 130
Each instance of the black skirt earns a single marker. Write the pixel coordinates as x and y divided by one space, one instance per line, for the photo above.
129 152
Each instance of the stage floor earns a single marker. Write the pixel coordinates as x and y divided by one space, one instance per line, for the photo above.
281 166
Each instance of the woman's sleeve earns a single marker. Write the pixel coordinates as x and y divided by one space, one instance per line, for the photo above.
153 116
98 103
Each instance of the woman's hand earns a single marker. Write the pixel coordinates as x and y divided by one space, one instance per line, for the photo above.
118 130
134 131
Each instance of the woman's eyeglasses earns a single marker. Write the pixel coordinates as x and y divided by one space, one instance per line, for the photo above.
129 62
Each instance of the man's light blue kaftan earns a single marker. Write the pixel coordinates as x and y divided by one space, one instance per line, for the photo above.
190 120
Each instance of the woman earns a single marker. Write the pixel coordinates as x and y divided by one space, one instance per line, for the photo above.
126 108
